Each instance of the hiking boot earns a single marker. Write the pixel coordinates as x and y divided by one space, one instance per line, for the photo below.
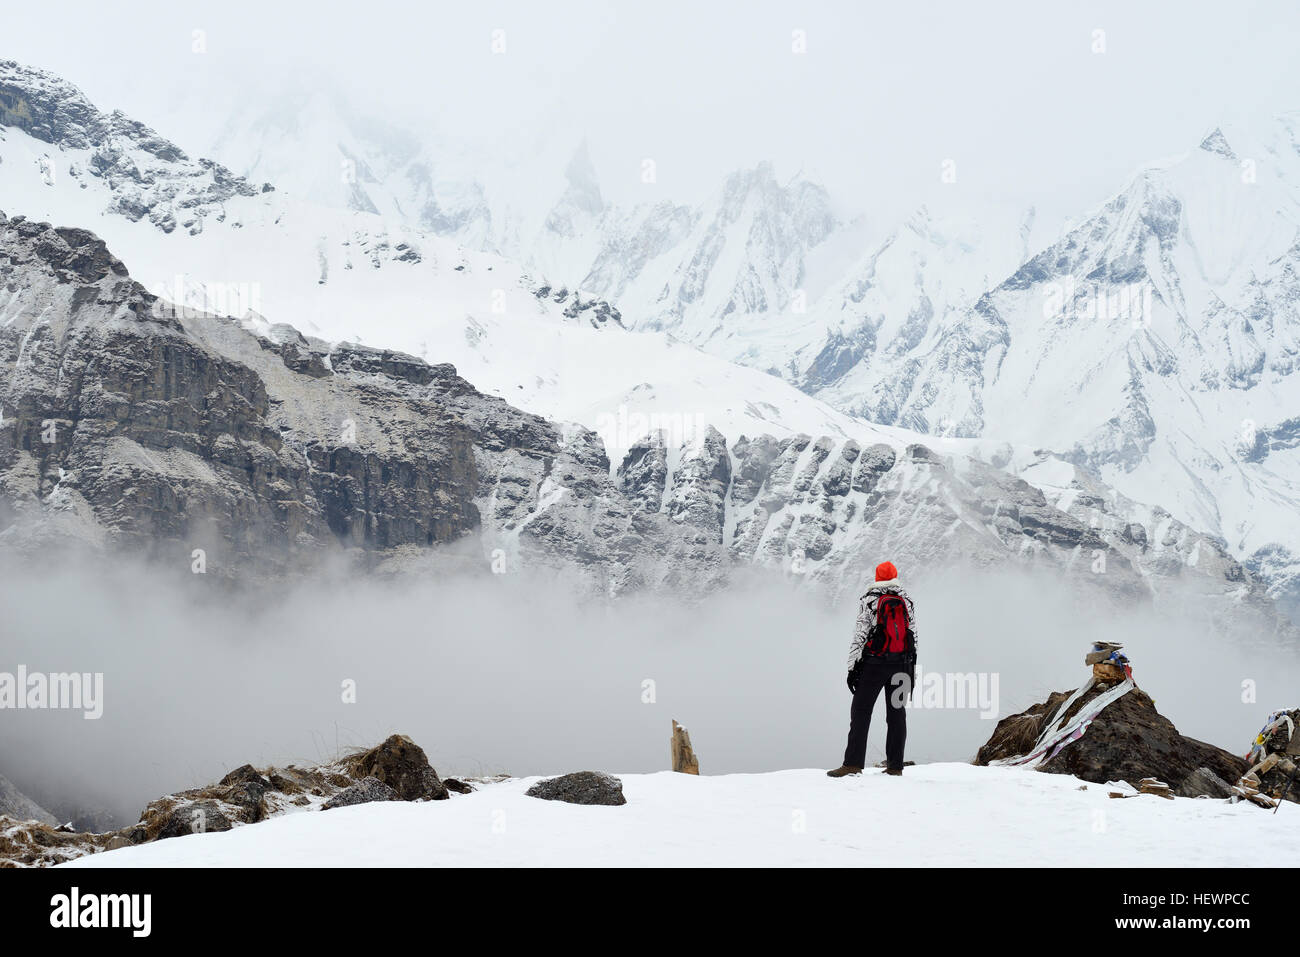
896 772
843 771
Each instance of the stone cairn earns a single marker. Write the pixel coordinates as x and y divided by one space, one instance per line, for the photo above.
1109 666
1275 762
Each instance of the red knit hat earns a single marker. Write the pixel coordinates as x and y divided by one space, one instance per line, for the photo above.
886 571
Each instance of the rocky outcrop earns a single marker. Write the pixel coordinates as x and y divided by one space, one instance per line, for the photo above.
399 763
394 770
580 787
1127 741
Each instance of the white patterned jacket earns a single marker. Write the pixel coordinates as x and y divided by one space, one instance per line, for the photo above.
867 615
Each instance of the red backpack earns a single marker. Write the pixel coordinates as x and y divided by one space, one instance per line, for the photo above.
891 634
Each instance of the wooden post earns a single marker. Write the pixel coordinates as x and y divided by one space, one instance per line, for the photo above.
684 759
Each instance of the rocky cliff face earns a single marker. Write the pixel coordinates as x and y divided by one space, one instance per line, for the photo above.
189 437
126 427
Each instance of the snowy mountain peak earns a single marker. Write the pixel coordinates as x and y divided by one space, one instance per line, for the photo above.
1216 142
1152 346
146 175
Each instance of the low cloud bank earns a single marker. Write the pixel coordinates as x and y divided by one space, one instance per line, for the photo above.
511 674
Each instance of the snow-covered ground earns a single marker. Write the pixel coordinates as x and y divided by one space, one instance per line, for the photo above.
936 814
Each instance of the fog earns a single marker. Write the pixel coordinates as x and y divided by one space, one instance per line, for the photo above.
507 673
1018 95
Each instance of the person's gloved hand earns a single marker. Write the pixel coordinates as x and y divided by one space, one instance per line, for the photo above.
853 681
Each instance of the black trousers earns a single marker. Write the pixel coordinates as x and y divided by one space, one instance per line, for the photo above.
893 678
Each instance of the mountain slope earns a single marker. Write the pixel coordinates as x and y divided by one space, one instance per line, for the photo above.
1152 344
680 463
16 805
129 423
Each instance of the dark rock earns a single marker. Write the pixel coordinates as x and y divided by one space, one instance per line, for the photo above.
458 786
304 361
401 764
245 774
250 798
1135 533
201 817
364 791
1204 783
580 787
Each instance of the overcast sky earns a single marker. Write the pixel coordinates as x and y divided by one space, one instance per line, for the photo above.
1012 92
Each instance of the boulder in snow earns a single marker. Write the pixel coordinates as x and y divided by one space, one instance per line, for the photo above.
401 764
1204 783
581 787
198 817
364 791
